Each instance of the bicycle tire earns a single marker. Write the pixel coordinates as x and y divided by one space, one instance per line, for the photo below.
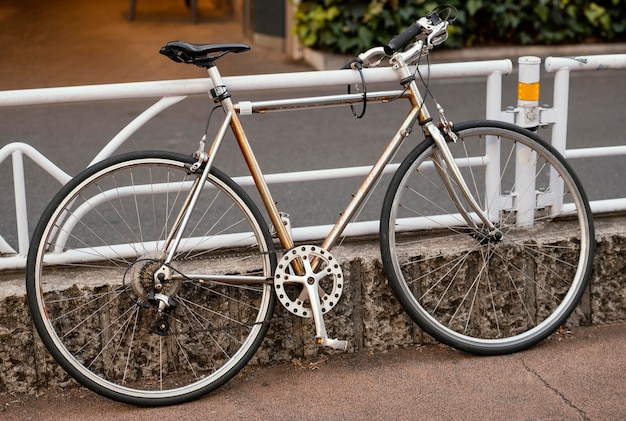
476 293
90 276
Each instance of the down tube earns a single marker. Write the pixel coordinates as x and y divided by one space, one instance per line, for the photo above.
372 178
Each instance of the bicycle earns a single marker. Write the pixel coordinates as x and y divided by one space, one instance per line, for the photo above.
152 276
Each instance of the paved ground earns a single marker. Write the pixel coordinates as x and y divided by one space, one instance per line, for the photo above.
574 375
63 43
73 42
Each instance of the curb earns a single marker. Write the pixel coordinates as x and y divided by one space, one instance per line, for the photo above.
368 316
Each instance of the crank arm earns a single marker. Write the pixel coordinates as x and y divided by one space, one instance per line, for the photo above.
321 337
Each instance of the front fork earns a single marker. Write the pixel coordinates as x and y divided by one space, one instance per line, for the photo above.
451 175
442 157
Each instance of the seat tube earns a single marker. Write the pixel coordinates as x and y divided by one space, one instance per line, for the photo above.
221 94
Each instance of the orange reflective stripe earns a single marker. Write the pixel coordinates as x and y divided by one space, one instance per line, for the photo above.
528 91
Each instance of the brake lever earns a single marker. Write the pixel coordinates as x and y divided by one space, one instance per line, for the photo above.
439 34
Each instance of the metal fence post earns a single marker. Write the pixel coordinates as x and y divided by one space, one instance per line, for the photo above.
528 91
492 147
19 185
559 133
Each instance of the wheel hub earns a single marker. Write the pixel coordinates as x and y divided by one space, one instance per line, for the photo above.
485 237
147 274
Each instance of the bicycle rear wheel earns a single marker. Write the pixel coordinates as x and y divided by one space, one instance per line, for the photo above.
467 289
93 291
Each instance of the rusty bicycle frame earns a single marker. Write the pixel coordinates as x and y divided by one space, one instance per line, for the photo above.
418 113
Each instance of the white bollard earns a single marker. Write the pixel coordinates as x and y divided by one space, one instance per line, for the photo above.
528 105
528 91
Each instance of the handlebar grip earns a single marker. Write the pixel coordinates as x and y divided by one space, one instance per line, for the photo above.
403 38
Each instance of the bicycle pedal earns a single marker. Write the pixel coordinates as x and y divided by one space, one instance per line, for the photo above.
337 344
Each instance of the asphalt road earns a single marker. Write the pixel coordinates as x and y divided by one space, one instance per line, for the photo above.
81 43
70 135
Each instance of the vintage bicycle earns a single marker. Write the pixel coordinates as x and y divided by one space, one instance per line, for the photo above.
152 276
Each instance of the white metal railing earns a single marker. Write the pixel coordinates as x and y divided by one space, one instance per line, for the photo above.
557 116
561 67
172 92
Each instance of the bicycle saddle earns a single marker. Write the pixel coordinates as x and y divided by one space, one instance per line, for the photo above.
202 55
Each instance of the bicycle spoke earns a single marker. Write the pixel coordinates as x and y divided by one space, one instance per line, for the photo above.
466 288
106 320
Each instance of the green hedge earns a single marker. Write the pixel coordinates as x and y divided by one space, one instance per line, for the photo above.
352 26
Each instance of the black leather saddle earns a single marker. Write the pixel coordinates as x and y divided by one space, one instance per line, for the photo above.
202 55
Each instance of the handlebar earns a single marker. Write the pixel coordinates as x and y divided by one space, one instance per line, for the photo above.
432 30
400 41
432 26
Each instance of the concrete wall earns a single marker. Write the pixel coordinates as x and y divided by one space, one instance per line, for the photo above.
368 315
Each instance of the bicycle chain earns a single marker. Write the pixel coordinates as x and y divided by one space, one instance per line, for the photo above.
212 257
216 257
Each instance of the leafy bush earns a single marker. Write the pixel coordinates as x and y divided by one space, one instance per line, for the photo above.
352 26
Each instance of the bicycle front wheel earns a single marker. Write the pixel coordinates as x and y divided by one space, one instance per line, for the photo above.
120 321
477 292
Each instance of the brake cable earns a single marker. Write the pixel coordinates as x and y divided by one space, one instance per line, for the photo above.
357 66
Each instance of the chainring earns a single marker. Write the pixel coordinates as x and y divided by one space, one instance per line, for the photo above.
321 267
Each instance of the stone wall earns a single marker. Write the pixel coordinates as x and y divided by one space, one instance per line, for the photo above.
367 315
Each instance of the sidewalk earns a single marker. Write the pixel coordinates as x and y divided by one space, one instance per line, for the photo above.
48 44
69 43
576 375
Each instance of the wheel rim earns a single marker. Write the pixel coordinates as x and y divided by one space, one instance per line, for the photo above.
109 335
451 310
